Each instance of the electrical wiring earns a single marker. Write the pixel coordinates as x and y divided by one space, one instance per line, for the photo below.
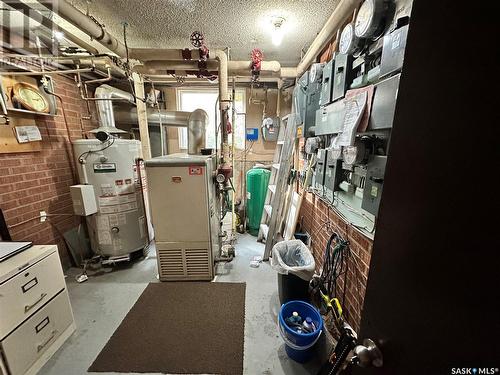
334 264
36 218
81 158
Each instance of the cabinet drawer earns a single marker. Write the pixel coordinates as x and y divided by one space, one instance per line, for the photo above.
28 342
30 289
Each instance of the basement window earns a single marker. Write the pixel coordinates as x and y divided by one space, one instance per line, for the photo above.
189 99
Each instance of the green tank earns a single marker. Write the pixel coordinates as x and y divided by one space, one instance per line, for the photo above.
257 180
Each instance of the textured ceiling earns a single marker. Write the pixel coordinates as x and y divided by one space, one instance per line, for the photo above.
239 24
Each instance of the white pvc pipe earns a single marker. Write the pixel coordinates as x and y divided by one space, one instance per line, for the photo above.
342 11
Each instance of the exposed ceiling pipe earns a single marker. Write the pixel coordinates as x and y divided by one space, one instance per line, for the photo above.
90 27
266 66
341 12
151 67
235 68
152 54
164 68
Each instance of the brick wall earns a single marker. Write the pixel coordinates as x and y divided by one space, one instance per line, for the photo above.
39 181
319 220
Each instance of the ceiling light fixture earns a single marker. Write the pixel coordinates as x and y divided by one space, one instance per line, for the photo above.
278 31
58 35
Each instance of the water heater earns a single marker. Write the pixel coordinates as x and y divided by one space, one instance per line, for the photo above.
119 227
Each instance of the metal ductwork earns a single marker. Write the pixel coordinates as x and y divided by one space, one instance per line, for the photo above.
166 118
105 95
197 124
195 121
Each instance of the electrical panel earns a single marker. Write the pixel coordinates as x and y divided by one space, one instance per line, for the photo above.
330 119
300 95
327 84
342 75
384 103
333 175
252 134
83 198
373 184
312 105
359 73
393 51
319 173
350 172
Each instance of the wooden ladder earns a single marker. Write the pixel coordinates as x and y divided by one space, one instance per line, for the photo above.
272 215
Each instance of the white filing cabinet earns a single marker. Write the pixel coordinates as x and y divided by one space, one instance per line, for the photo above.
35 312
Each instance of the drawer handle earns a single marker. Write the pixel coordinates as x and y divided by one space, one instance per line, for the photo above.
40 347
29 307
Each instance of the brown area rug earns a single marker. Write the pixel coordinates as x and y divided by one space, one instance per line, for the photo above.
180 328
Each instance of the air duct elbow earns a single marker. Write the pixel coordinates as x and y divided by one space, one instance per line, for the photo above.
105 95
197 124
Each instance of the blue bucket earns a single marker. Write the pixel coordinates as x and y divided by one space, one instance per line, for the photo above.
300 346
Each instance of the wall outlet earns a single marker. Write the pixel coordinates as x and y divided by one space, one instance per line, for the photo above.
43 216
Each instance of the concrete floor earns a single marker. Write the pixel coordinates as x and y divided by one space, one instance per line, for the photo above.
101 303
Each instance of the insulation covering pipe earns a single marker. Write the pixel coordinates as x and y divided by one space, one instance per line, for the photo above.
342 12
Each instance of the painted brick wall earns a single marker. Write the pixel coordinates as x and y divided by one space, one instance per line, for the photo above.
319 220
39 181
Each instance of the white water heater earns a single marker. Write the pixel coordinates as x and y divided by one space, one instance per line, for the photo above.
119 227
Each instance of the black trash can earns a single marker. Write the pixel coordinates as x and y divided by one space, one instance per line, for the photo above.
295 265
292 288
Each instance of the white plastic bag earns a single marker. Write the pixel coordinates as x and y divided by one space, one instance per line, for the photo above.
293 257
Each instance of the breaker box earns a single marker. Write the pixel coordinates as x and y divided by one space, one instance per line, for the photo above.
393 51
342 75
312 105
333 176
327 84
330 119
384 103
319 172
374 184
83 198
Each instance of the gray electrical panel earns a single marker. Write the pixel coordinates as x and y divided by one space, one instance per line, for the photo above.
330 119
319 173
373 184
312 105
393 51
300 95
342 75
333 176
384 103
327 84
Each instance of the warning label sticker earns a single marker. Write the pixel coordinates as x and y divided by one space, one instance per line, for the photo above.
195 171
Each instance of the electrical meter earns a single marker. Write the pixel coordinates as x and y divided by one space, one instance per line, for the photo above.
316 73
349 43
335 152
370 19
355 154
